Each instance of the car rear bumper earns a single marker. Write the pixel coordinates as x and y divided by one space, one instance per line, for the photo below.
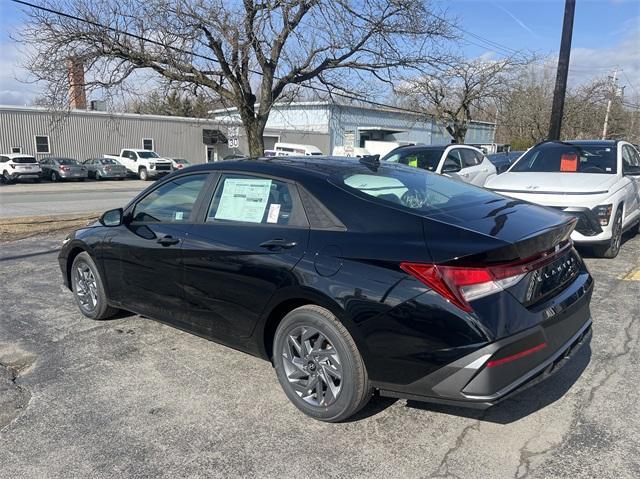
504 367
455 384
25 175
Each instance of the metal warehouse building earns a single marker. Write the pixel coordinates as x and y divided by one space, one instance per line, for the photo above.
350 126
83 134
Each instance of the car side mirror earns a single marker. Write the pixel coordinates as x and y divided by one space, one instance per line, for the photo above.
451 168
112 217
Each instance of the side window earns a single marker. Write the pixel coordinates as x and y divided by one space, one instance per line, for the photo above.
468 157
629 158
479 157
172 202
250 199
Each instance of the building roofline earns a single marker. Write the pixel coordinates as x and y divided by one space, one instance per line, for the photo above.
138 116
232 110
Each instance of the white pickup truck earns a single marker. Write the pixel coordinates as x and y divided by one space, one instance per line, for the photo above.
145 164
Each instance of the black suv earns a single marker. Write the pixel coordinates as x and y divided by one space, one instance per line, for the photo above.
350 276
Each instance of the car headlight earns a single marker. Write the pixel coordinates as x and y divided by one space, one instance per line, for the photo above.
603 213
152 166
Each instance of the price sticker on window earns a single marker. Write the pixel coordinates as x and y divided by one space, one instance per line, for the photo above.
569 162
274 212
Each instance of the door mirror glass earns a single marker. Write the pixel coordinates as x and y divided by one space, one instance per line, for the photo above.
450 166
112 217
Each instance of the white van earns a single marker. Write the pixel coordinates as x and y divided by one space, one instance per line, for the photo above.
294 149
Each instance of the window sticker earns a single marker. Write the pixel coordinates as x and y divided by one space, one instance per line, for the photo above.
243 200
569 162
178 215
274 213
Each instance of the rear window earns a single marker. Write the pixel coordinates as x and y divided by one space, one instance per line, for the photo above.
568 158
24 159
66 161
108 161
412 188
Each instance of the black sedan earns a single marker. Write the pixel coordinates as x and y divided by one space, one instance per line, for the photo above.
352 277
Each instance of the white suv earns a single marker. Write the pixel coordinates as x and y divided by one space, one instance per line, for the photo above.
16 166
598 182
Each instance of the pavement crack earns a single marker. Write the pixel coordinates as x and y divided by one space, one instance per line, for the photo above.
15 398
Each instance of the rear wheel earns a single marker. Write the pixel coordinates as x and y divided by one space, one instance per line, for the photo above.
54 176
319 366
144 174
612 248
88 288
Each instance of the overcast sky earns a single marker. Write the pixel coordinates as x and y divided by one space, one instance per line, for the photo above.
606 36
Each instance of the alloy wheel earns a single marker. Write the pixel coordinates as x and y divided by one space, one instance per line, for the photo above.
86 287
312 366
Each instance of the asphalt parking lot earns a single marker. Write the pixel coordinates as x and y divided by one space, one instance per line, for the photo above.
132 397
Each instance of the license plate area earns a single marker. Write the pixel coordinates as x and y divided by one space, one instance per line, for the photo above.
551 278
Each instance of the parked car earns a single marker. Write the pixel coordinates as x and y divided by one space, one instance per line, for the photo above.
598 182
145 164
462 162
57 169
105 168
179 163
350 275
502 161
16 166
295 149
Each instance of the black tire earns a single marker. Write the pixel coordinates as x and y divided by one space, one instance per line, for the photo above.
143 174
82 290
7 179
635 229
612 248
354 389
54 176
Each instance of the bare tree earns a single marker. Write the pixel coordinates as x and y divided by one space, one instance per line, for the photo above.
456 94
247 53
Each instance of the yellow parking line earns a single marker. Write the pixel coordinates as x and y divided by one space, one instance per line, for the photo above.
633 275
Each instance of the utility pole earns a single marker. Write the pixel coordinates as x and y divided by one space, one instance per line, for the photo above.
563 71
611 97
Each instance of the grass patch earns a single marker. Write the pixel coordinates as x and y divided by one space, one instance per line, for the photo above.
12 229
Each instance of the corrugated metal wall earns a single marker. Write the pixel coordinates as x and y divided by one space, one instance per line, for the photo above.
84 135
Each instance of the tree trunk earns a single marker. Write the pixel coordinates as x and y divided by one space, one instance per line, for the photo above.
255 138
254 128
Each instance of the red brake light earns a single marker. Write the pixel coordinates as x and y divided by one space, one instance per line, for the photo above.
459 284
513 357
65 168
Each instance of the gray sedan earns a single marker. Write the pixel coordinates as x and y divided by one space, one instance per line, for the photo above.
56 169
105 168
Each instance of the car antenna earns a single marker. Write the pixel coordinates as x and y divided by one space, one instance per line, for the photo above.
371 161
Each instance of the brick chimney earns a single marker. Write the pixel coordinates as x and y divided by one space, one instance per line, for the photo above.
77 95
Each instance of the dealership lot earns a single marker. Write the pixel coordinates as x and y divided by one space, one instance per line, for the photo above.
134 397
29 199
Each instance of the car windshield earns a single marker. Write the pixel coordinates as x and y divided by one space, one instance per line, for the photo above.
108 161
427 158
24 159
412 188
568 158
66 161
148 154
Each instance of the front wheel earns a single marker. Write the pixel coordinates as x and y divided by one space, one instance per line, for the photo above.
88 288
144 174
612 248
319 366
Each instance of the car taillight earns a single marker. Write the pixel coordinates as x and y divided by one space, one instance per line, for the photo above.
460 284
12 166
179 165
65 168
107 168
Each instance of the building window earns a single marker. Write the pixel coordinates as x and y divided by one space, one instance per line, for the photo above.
42 144
16 149
147 144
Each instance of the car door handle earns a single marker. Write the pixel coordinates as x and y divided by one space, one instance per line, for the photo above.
168 240
278 243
